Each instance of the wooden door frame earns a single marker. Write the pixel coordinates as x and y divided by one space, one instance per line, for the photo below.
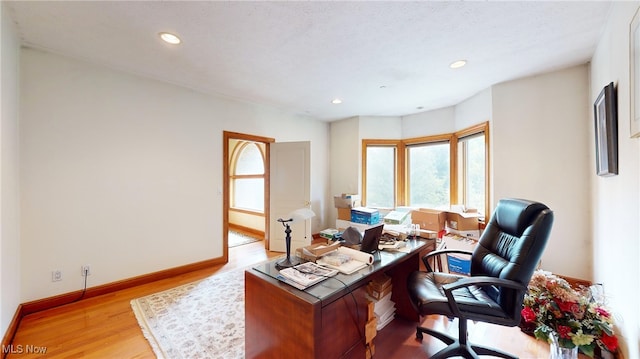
227 135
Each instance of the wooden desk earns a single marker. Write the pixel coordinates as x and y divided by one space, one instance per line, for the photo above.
326 320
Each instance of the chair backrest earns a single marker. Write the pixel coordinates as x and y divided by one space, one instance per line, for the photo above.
511 246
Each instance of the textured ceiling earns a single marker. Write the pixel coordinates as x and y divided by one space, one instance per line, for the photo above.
381 58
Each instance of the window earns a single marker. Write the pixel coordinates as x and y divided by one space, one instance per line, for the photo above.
472 165
381 172
431 172
428 168
247 177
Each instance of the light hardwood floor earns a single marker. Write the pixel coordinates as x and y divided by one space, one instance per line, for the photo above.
105 327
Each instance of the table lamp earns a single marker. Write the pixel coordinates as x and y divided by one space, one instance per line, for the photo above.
300 214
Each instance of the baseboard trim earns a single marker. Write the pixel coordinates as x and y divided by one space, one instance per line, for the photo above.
67 298
12 329
71 297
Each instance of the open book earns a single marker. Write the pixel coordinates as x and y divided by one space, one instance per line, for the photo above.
305 275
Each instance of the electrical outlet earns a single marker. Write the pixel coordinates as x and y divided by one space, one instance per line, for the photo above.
86 269
56 275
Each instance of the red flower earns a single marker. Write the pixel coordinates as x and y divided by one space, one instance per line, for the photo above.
528 314
563 331
566 306
611 342
603 312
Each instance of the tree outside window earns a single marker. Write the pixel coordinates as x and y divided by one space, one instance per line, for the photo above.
428 172
380 172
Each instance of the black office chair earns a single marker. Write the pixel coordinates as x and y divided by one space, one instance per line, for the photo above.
501 266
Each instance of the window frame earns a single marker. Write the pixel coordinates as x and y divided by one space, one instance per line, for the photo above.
235 154
427 140
399 162
482 128
401 171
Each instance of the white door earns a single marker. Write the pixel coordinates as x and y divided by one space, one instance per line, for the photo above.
290 189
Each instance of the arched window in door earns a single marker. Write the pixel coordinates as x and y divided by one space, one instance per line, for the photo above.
247 176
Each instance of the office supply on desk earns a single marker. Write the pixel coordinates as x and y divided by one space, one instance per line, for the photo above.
351 236
301 214
390 244
357 260
371 239
305 275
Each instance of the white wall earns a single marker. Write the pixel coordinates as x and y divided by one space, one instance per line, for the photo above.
474 110
122 172
344 162
346 153
429 123
9 174
380 127
616 200
540 136
470 112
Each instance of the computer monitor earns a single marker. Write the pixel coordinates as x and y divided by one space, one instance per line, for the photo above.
371 239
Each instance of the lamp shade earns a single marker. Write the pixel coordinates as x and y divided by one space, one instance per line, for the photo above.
301 214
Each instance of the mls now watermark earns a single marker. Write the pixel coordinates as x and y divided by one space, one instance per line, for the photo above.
23 349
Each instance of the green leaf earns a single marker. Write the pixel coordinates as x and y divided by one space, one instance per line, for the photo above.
566 343
587 350
542 333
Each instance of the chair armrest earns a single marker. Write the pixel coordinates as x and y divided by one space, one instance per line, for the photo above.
478 281
483 281
425 258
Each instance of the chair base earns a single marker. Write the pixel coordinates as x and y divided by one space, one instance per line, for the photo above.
456 347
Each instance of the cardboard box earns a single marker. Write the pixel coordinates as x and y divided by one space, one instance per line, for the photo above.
365 215
343 224
344 214
430 219
454 241
459 265
346 200
377 294
381 282
463 221
371 306
475 234
396 217
315 251
425 233
370 330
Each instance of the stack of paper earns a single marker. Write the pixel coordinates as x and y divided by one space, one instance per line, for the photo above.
379 292
305 275
385 310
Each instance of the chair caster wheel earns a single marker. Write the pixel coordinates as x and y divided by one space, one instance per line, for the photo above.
419 335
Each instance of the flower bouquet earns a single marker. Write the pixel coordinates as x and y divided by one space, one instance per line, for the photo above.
573 316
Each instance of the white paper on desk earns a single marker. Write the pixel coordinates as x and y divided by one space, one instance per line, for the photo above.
405 249
357 255
358 261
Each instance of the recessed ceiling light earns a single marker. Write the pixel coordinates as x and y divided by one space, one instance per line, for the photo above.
458 64
336 101
170 38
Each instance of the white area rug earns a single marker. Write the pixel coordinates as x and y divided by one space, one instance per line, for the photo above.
204 319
